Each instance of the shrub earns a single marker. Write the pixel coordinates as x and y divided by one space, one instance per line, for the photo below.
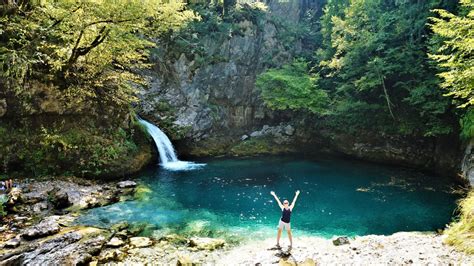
460 234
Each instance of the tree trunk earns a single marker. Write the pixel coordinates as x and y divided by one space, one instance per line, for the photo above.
387 98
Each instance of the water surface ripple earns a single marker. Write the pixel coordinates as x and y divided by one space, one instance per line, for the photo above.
232 197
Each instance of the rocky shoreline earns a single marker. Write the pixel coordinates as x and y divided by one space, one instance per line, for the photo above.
40 230
399 248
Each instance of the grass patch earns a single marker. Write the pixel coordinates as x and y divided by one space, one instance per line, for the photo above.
460 234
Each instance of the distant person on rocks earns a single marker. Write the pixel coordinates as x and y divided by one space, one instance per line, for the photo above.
285 217
6 185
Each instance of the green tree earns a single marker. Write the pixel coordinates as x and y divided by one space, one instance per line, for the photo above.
292 87
453 50
87 49
83 58
229 5
374 53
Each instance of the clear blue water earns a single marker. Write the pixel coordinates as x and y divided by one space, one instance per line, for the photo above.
231 197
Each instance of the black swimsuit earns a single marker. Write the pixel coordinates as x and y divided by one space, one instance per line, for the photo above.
286 215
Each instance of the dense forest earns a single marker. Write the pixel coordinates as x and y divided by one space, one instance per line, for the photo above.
398 67
383 65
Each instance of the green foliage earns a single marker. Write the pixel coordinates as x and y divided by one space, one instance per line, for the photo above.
351 117
371 70
3 200
88 49
453 46
64 147
73 65
291 87
460 234
373 64
467 124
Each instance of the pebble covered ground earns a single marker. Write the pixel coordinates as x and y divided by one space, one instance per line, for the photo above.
400 248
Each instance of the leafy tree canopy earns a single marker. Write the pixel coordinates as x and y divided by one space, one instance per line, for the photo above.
88 49
292 87
372 64
453 50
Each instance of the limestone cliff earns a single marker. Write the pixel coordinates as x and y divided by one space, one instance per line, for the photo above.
219 100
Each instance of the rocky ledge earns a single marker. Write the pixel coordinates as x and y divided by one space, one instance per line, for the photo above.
39 228
400 248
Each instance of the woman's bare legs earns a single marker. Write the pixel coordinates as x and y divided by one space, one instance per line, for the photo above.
289 236
278 236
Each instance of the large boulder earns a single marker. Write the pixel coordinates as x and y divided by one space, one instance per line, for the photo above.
12 243
48 226
73 248
115 242
206 243
39 207
342 240
140 242
59 199
112 255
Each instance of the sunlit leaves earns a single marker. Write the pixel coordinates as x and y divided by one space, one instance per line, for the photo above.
374 52
453 50
87 48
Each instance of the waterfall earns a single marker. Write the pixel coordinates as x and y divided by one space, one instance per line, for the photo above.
168 157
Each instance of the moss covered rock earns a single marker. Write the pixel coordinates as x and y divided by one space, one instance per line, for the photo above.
260 146
77 145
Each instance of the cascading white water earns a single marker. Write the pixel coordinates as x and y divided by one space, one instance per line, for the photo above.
163 143
168 157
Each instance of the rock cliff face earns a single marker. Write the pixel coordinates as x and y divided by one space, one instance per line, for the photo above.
438 155
218 99
467 166
215 109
